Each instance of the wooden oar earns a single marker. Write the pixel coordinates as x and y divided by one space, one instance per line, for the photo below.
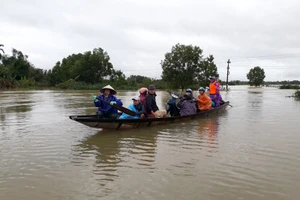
121 108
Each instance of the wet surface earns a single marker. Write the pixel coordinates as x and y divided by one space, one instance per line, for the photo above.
251 151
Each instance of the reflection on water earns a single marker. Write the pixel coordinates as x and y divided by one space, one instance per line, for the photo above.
113 152
251 151
208 129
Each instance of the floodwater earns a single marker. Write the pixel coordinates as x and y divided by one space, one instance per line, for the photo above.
251 151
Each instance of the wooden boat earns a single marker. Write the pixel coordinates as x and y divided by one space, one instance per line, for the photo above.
115 124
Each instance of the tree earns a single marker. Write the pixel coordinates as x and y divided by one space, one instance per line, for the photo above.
1 49
256 76
182 65
208 68
90 67
17 65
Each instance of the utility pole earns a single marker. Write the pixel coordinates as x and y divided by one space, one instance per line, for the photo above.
228 62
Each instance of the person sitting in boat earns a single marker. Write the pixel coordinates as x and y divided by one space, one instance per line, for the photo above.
137 107
151 106
171 105
189 92
186 105
214 91
107 110
204 102
143 93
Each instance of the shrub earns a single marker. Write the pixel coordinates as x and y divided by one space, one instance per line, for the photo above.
289 87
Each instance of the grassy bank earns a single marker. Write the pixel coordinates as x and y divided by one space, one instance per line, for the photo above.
23 84
295 87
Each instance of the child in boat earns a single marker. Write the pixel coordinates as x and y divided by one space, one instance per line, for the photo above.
137 107
107 110
204 102
187 105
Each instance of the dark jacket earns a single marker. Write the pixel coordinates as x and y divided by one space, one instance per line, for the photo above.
151 103
140 109
172 107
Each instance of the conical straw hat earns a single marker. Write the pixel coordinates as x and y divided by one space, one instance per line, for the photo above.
108 87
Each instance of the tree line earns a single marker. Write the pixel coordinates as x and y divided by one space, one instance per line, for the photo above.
184 66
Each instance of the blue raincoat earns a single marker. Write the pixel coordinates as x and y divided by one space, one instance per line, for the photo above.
105 108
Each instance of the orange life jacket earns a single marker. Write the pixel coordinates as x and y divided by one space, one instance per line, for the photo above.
214 87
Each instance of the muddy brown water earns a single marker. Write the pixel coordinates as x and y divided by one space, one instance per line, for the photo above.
251 151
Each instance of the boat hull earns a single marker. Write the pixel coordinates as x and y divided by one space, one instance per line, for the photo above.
115 124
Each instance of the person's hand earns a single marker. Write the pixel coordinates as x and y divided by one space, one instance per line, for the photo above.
94 98
112 103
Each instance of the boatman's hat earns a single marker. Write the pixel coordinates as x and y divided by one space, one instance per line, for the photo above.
108 87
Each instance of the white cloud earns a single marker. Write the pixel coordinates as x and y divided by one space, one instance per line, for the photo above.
137 34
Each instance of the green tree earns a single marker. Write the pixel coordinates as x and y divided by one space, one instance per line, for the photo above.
256 76
17 64
90 67
117 76
182 65
1 49
207 69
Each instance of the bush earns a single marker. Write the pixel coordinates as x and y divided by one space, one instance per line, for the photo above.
297 94
25 83
7 84
296 87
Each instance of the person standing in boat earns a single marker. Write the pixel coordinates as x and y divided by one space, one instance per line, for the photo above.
186 105
151 107
137 107
107 110
204 102
214 91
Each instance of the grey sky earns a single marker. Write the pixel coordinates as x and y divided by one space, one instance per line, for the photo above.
136 34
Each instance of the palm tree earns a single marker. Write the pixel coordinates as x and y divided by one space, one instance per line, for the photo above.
1 45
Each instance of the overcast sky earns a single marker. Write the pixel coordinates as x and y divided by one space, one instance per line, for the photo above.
136 33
